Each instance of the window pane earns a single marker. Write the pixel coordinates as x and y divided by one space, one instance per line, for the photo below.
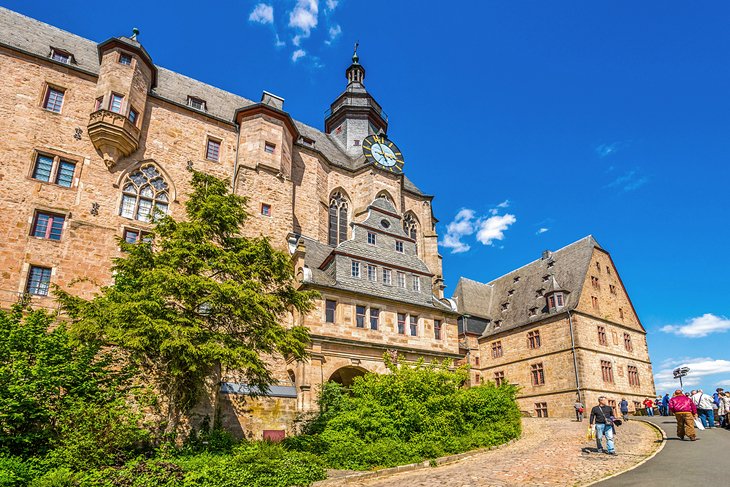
131 236
343 224
360 316
414 325
374 318
127 209
144 210
43 167
333 225
41 225
54 100
116 103
213 150
39 279
401 323
329 313
65 174
56 227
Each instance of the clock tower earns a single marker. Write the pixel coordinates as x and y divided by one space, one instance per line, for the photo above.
355 114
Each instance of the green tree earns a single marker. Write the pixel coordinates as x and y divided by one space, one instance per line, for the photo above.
48 382
198 298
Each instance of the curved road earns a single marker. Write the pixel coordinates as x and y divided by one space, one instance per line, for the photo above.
680 462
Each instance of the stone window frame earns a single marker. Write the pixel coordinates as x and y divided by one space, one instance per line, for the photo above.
537 374
360 323
266 210
372 272
416 283
401 323
400 279
633 373
497 350
602 336
628 345
372 238
140 235
161 197
399 246
541 410
594 302
213 146
595 283
269 147
40 286
499 377
410 227
387 275
337 218
50 225
607 371
612 288
56 167
330 310
113 96
533 339
133 115
197 103
61 56
438 332
46 99
125 55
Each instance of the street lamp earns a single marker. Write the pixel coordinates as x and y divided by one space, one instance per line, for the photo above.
680 372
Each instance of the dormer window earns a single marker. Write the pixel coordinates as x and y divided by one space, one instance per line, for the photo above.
196 103
505 306
516 279
556 300
539 293
550 263
372 238
510 292
533 311
546 278
61 56
497 324
399 246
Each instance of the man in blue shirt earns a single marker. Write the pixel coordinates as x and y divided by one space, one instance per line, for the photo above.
665 405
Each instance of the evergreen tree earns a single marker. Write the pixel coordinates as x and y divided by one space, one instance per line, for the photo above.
197 298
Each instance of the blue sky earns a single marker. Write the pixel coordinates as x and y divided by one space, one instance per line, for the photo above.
534 123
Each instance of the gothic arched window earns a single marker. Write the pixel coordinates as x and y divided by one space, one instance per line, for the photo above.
337 219
143 190
410 226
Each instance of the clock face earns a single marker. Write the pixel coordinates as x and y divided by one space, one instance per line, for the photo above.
383 152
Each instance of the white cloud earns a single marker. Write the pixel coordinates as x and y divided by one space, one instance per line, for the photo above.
262 13
605 150
487 229
334 32
299 53
493 228
541 230
331 4
698 368
503 204
462 225
279 42
630 181
304 16
700 326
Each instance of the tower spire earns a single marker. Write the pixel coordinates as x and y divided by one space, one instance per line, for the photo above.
355 73
355 57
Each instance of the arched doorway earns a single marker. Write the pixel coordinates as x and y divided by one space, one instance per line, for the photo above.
346 375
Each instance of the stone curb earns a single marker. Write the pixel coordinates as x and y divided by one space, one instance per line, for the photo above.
385 472
656 452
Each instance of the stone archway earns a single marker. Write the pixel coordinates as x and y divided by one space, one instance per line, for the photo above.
346 375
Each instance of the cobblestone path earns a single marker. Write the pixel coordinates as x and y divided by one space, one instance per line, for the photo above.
550 453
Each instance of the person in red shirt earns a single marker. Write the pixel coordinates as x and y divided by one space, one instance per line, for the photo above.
685 411
649 405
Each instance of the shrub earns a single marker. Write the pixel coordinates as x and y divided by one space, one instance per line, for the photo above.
415 412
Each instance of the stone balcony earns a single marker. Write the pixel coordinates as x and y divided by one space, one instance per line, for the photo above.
113 135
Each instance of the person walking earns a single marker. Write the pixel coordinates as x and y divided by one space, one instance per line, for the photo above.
726 405
704 405
684 411
665 404
624 406
717 398
578 410
601 419
649 406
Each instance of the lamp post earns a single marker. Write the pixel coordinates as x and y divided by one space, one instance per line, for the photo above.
680 372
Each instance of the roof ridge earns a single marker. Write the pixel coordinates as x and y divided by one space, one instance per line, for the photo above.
47 25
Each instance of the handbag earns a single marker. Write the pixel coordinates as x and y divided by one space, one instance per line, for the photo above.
698 424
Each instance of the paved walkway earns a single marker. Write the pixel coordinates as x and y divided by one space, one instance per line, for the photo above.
681 462
551 453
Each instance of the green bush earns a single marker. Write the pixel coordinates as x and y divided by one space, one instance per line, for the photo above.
413 413
16 472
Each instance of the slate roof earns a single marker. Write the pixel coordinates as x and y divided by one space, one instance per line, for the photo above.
520 290
36 38
331 266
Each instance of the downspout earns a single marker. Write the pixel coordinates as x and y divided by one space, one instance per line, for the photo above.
235 162
575 360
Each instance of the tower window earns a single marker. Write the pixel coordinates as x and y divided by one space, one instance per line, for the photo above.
594 302
39 280
337 219
48 225
355 269
437 332
125 59
196 103
410 227
602 338
265 209
54 99
269 147
133 116
612 288
115 103
356 142
372 238
627 343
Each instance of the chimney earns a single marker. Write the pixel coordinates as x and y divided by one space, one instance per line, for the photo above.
272 100
546 254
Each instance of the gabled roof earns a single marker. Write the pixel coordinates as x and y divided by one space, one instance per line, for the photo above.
509 299
36 38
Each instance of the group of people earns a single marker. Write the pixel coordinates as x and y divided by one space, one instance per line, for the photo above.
686 408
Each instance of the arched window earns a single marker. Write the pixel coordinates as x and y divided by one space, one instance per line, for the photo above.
410 226
337 219
143 190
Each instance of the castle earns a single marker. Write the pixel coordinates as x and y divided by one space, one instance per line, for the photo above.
96 137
